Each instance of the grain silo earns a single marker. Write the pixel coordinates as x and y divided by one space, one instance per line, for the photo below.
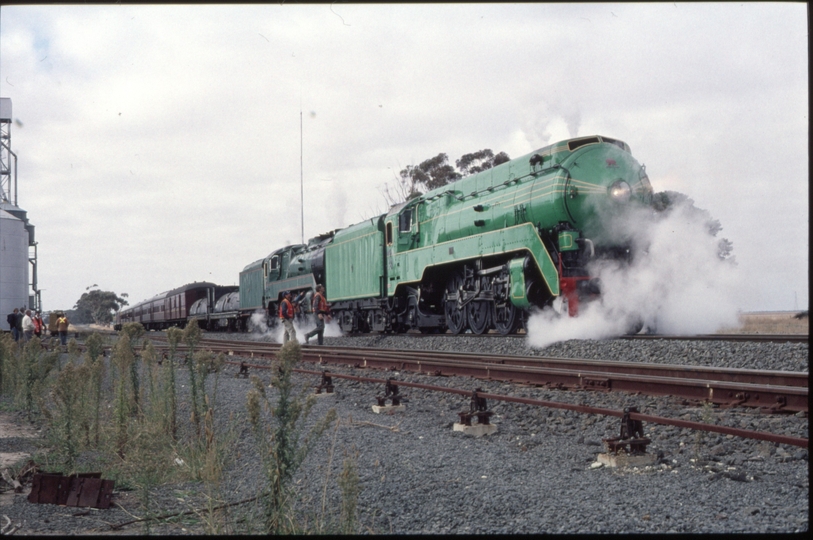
16 233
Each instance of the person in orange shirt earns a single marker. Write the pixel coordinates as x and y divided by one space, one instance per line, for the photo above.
37 324
286 315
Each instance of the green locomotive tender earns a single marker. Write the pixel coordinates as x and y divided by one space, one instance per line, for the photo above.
480 252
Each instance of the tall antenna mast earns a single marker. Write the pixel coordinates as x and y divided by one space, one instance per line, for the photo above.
301 181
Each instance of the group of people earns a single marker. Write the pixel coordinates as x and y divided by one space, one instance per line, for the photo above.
25 324
287 312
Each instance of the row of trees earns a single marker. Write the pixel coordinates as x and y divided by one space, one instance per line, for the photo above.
96 306
436 172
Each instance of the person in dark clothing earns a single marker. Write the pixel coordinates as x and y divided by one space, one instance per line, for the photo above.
20 315
12 324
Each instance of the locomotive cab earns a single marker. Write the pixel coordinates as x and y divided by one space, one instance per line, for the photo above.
402 229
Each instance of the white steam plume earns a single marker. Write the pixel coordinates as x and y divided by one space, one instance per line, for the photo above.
259 329
676 283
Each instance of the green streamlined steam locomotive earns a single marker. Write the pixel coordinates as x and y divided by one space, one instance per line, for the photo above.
480 252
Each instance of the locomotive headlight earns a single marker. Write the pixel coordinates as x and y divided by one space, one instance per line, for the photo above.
620 191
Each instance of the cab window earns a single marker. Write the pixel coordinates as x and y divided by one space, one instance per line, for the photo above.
405 221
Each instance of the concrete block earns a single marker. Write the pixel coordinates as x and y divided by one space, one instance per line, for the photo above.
378 409
323 394
477 430
625 460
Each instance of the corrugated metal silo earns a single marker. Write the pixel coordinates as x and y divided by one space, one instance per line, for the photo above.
14 238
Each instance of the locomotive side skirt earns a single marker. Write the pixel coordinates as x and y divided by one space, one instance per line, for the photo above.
410 267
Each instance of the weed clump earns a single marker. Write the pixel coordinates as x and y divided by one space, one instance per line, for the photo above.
283 442
71 413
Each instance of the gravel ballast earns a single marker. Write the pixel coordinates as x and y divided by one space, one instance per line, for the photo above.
537 474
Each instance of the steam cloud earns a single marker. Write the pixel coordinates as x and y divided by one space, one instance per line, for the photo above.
259 329
676 284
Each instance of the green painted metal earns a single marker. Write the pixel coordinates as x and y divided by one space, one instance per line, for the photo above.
354 262
284 271
409 267
263 280
567 240
519 191
274 289
252 286
516 270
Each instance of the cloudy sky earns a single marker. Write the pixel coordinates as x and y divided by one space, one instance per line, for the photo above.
160 145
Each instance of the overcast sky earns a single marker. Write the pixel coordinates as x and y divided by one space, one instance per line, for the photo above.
160 145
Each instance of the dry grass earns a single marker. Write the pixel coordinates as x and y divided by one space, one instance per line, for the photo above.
770 322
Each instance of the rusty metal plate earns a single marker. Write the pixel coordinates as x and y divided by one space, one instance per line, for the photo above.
82 490
46 488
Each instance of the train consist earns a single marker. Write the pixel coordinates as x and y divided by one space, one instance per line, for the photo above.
474 255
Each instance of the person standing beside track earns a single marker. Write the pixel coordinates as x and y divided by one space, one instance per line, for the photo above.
20 313
321 309
62 328
28 326
12 324
286 315
37 324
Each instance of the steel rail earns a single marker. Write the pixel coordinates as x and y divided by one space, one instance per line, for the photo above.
776 391
774 338
749 376
790 398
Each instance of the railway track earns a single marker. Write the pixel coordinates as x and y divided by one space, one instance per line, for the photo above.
758 338
772 391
